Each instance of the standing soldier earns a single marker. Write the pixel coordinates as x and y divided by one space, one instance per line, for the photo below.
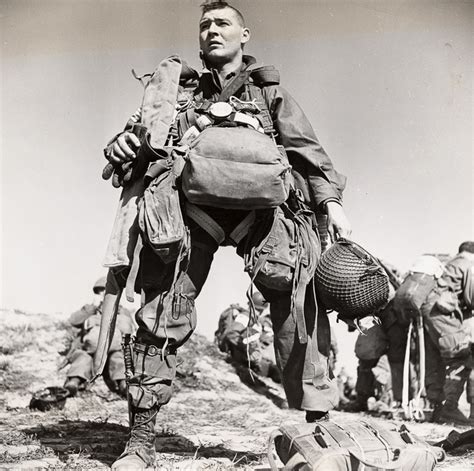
231 97
445 312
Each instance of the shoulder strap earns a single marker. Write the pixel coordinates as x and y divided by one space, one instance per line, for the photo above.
263 77
234 86
255 93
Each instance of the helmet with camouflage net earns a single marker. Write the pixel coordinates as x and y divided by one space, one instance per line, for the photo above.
99 285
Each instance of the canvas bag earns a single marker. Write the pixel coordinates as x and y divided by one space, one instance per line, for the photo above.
235 168
411 295
160 216
353 446
371 344
284 256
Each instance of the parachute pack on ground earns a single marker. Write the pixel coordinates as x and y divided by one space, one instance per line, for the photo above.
354 446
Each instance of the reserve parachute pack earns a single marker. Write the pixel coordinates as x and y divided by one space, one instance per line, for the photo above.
415 288
352 446
235 168
233 160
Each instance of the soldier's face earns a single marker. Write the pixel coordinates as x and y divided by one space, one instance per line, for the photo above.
221 36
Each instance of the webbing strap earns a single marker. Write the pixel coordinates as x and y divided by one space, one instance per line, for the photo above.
233 87
338 434
242 228
267 246
406 376
385 438
205 221
299 298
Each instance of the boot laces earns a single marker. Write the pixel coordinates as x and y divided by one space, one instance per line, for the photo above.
142 434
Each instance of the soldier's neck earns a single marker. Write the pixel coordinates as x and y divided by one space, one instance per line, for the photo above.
234 66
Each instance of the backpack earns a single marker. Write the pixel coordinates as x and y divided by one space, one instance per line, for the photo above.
226 319
371 344
353 446
411 295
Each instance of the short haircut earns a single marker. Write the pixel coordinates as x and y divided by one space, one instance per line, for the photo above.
219 5
467 246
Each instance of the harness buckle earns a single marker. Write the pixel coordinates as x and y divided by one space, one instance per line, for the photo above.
220 110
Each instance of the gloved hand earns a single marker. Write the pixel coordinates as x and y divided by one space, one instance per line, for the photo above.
123 156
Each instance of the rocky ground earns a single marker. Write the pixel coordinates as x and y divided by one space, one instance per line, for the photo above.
217 419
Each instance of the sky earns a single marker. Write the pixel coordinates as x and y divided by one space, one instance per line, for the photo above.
387 85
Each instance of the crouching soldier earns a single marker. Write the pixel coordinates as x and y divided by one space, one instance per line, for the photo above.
252 164
86 324
249 342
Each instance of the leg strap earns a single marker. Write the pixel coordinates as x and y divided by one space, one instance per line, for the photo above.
205 221
214 229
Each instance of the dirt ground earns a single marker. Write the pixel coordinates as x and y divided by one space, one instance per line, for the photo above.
216 419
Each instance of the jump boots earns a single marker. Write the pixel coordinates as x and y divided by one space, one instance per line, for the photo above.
140 451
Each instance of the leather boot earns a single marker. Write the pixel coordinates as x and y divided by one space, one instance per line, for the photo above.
452 415
139 452
73 384
436 414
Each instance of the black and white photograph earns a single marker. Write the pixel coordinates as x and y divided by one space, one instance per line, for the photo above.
237 234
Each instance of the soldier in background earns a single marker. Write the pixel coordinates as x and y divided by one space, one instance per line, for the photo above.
446 315
86 325
346 385
374 378
377 339
249 343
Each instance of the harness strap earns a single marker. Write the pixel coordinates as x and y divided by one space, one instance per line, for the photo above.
205 221
255 93
234 86
242 228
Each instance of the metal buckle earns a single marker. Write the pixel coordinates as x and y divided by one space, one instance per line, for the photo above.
220 110
153 350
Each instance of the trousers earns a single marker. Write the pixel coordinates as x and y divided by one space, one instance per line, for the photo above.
82 366
167 319
448 353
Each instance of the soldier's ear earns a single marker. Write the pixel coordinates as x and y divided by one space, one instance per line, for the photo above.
245 36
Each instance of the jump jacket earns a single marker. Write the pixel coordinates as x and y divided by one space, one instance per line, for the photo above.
312 169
